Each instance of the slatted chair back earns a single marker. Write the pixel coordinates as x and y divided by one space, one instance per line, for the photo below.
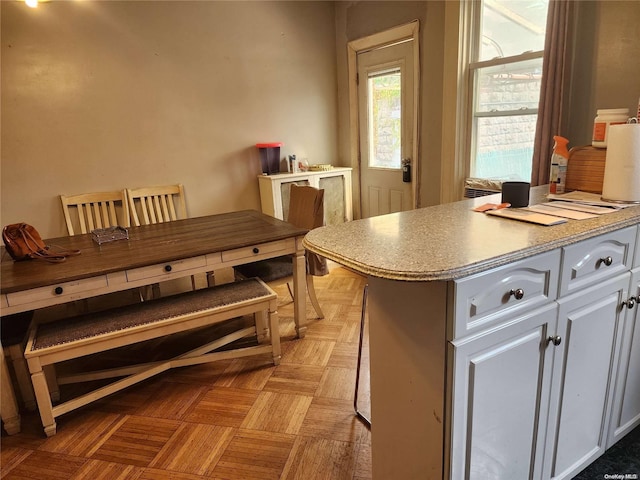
148 205
89 211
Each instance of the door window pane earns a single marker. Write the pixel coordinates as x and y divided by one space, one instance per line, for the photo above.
385 130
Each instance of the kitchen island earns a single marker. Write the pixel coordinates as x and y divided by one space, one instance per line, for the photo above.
499 349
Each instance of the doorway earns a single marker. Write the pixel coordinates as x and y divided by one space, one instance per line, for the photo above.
384 73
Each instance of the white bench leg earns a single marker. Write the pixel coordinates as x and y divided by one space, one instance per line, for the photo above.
44 402
262 328
8 405
52 382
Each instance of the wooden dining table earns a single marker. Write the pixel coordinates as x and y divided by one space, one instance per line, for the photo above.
151 254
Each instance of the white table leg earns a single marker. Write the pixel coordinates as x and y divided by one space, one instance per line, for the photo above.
9 405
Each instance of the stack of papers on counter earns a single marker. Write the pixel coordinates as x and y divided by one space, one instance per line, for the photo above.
573 205
525 215
589 199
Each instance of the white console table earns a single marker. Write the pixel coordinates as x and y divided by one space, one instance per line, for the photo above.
338 207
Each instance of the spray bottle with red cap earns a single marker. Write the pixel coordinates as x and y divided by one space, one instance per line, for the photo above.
559 161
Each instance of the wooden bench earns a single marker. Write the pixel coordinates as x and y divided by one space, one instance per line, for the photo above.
61 340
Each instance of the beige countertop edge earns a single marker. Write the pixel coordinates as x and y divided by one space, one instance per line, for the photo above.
466 269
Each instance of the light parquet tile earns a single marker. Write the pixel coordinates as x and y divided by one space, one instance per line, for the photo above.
156 474
129 401
172 400
277 412
251 373
309 352
324 331
10 457
337 383
83 433
295 379
254 455
320 459
333 419
46 466
344 355
223 406
99 470
137 441
194 448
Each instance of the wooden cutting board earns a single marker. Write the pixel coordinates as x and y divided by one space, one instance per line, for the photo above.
585 169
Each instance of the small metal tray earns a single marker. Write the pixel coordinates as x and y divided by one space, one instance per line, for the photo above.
104 235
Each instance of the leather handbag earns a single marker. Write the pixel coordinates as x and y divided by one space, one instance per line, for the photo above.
23 242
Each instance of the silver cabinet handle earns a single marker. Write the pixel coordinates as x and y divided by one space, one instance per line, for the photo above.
630 303
555 339
607 260
518 293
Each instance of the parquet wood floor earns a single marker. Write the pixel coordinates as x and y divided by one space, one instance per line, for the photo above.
233 419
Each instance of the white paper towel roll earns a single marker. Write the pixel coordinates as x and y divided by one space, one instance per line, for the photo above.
622 168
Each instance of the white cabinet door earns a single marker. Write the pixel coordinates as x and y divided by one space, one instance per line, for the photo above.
626 404
500 399
579 412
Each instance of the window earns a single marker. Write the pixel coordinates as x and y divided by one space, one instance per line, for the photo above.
385 108
505 70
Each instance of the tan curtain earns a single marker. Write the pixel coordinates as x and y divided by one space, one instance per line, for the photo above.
555 71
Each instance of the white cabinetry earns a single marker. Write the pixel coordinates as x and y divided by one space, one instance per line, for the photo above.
274 193
502 382
538 347
626 404
589 324
502 374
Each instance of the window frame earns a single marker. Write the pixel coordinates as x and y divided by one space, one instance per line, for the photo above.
471 15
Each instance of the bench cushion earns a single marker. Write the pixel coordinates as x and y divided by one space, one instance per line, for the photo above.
99 323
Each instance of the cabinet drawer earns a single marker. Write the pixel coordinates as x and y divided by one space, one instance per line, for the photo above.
258 252
597 259
164 269
67 291
489 298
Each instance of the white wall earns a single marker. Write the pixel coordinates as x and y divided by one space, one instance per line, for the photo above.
104 95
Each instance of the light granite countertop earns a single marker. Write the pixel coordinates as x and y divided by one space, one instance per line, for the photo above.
450 241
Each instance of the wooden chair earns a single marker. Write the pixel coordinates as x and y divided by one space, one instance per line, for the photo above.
149 205
306 210
89 211
156 204
95 210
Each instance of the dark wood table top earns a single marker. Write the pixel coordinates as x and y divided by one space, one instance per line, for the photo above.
147 245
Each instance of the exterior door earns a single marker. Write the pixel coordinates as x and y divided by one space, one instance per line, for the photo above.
386 116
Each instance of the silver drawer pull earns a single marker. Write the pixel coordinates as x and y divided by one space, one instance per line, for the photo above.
630 303
518 293
607 260
555 339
